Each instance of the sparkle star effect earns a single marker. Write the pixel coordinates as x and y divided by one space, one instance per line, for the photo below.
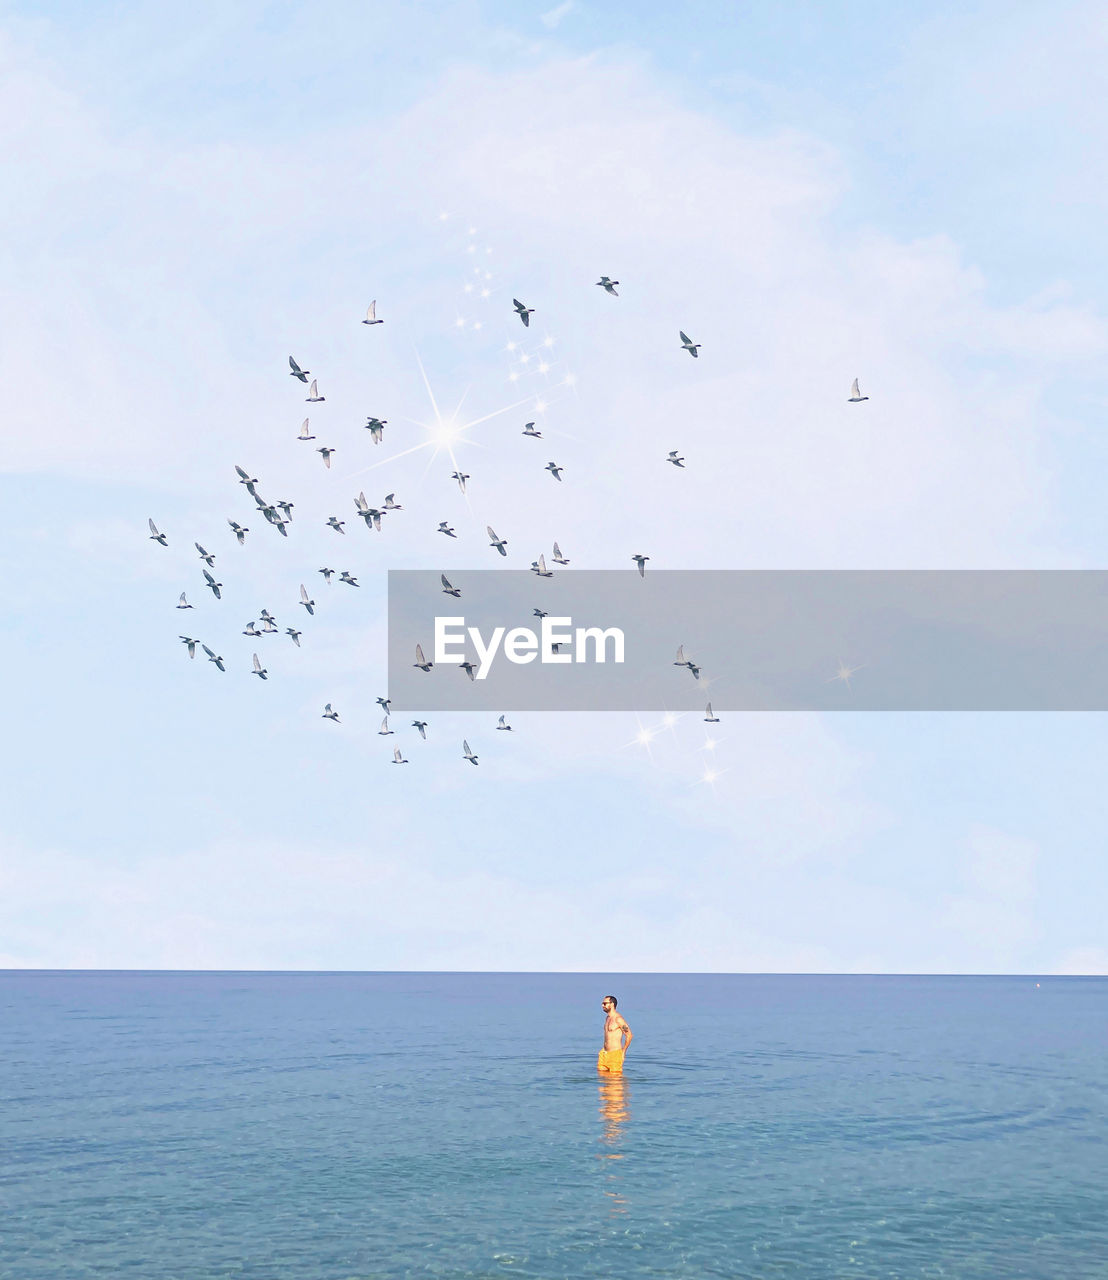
844 673
535 358
709 777
647 734
643 738
444 430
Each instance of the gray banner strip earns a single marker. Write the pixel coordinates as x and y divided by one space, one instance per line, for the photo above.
752 640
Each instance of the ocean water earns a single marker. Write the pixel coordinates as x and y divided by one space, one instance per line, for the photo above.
333 1126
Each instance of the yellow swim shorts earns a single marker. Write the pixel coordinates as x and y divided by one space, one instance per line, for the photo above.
609 1060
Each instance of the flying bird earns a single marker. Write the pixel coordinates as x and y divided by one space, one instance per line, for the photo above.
397 758
529 430
251 630
503 724
461 477
709 718
376 428
445 528
268 619
260 671
305 434
365 511
856 396
682 661
239 531
293 635
539 566
468 668
467 753
641 562
420 661
297 372
540 613
691 347
347 577
155 536
206 556
558 557
524 313
675 458
371 314
391 504
328 714
313 396
246 478
608 285
326 452
500 544
555 470
183 603
327 575
212 657
287 507
336 524
213 584
448 588
421 725
384 730
190 644
306 600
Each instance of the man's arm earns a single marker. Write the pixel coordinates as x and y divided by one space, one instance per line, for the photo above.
627 1032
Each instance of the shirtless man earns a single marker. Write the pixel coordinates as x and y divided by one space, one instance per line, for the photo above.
610 1058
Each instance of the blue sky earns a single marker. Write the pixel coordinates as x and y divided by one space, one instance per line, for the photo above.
815 191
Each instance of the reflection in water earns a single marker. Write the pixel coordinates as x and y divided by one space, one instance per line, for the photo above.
615 1111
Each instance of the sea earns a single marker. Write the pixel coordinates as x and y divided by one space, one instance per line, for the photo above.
349 1126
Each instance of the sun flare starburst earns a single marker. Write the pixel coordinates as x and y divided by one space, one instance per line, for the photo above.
444 431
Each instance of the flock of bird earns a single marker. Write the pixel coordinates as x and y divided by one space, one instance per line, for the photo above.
279 515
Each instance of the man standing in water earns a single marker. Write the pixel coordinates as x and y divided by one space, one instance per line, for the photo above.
610 1058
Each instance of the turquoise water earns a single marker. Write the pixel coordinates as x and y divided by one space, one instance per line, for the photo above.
380 1125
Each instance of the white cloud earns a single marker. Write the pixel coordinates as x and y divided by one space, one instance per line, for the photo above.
553 17
724 235
270 906
995 914
1083 961
160 286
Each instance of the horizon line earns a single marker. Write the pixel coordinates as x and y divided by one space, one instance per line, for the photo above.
627 973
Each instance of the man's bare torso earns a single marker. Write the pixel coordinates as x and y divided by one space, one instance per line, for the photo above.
613 1031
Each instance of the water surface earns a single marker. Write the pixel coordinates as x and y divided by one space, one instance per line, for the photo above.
342 1126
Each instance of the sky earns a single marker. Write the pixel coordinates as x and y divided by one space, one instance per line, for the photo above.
813 192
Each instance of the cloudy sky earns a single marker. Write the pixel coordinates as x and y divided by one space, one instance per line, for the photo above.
813 192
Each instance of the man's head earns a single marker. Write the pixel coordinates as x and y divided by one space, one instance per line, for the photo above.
608 1004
